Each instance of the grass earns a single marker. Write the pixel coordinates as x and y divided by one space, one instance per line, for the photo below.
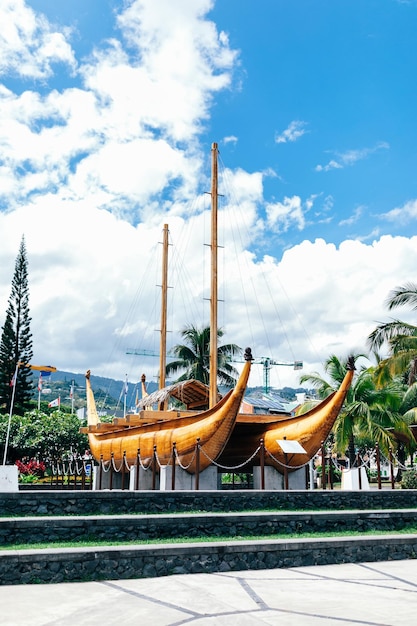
91 543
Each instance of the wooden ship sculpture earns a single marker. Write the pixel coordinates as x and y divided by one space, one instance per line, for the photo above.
225 435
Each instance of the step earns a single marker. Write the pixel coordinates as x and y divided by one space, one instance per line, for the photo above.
44 529
116 563
71 502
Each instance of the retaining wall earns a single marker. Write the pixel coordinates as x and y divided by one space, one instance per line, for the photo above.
15 531
55 566
123 502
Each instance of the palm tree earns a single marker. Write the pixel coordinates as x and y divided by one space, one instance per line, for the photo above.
194 357
368 411
401 338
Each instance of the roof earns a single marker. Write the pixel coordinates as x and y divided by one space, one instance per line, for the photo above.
268 403
193 393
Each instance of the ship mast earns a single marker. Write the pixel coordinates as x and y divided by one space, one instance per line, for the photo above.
214 286
163 342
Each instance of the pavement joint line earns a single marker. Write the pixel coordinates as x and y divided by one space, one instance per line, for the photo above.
143 596
390 576
251 593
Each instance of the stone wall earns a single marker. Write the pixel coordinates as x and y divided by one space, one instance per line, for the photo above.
124 502
173 526
55 566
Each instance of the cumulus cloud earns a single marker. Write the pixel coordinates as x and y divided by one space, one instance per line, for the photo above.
90 173
29 45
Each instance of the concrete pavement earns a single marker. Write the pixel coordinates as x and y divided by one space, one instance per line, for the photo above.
381 593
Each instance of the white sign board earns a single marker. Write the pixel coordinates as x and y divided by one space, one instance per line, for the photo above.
290 446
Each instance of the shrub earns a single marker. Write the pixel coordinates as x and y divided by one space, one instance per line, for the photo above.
409 479
31 468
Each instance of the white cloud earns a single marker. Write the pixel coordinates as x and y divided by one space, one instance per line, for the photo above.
127 139
357 213
403 215
350 157
281 215
28 44
295 130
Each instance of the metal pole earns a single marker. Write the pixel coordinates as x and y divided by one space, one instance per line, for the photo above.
391 465
323 466
173 466
154 469
262 458
6 445
137 470
378 465
197 464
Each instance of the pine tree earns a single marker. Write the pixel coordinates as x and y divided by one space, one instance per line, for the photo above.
16 341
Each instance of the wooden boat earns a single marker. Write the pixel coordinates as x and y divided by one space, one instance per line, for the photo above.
226 435
309 429
158 430
212 428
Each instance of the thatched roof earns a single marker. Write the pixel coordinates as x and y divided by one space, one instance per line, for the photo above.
192 393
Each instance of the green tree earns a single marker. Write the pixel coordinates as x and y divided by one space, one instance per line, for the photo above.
16 341
43 436
194 357
369 412
400 337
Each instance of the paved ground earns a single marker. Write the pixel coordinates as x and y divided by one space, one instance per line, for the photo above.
363 593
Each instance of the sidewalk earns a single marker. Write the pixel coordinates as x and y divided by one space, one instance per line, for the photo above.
382 593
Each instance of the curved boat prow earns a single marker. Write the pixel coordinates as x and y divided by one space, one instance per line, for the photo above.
92 415
309 429
212 428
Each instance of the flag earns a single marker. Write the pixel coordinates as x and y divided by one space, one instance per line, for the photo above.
56 402
40 382
45 369
13 381
126 387
72 392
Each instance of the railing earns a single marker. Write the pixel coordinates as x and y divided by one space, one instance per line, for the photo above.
74 473
123 469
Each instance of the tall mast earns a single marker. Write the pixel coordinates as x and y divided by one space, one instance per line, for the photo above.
163 342
214 287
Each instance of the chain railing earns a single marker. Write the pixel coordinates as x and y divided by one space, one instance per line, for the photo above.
372 462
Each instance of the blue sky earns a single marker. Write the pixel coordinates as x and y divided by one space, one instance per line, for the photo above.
108 111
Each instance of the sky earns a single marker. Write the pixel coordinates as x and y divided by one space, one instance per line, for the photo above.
108 110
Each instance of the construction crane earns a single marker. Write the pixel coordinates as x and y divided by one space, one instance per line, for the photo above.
267 363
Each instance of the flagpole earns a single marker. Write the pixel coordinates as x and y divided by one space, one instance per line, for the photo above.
72 397
6 445
39 391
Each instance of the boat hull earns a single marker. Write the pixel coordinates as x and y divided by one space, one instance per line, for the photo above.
310 430
209 429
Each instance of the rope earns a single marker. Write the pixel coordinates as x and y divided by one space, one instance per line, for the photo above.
234 467
185 467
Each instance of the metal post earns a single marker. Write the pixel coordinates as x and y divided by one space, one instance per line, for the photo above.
111 471
286 471
137 470
197 464
330 475
154 469
378 465
391 468
358 465
123 469
323 466
174 458
100 482
262 459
